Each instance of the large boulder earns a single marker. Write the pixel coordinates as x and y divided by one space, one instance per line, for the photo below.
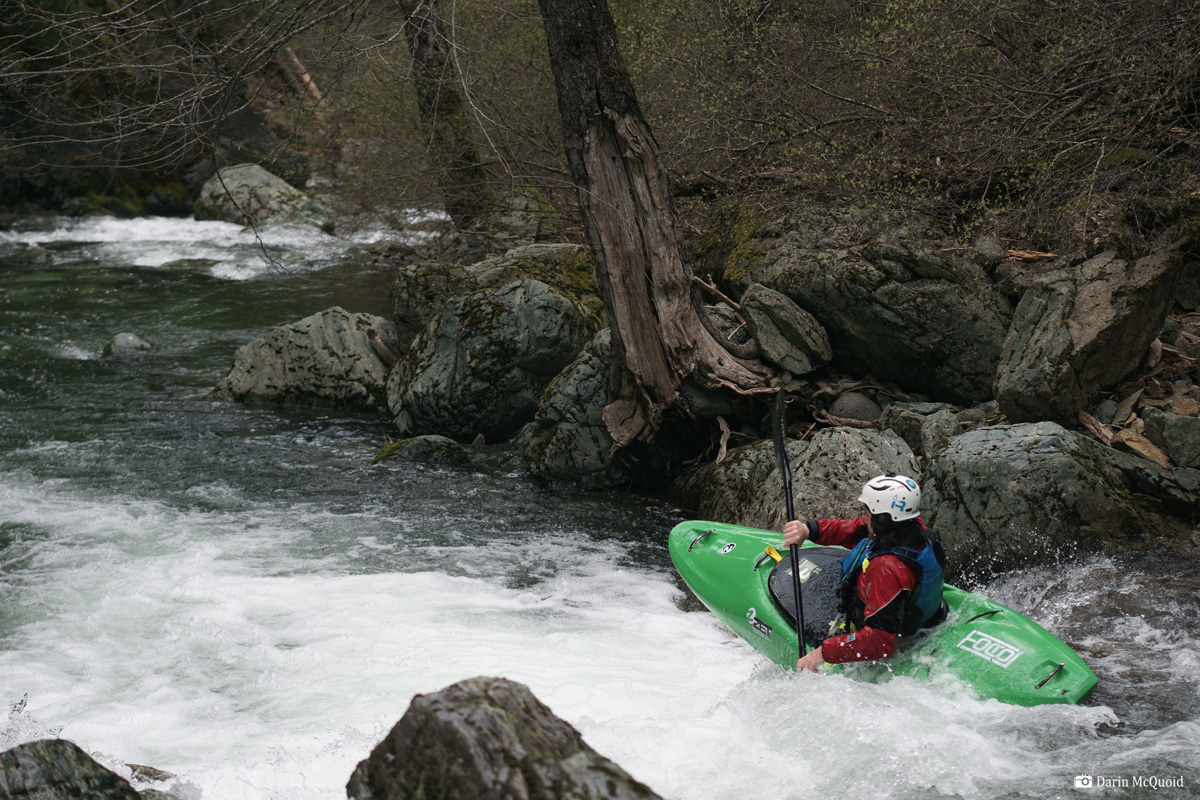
787 335
568 438
1079 331
55 769
1011 495
482 365
930 323
828 473
419 290
325 360
487 738
247 194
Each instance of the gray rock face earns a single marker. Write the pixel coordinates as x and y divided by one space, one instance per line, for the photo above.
568 439
907 420
124 345
1079 331
1177 435
324 360
55 769
420 290
487 738
927 323
247 194
828 473
1005 496
787 335
937 430
481 367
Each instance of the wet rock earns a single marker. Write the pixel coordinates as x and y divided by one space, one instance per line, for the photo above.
928 323
787 335
487 738
1005 496
56 769
568 439
828 472
1079 331
249 195
126 344
325 360
434 450
482 365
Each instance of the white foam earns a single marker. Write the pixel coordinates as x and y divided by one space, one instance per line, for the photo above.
198 642
238 253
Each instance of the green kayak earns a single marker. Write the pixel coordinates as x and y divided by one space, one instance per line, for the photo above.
1001 654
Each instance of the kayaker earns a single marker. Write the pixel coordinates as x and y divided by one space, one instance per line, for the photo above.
891 579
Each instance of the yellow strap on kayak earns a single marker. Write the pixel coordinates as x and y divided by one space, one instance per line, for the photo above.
773 553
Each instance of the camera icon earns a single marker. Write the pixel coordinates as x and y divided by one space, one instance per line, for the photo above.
1083 781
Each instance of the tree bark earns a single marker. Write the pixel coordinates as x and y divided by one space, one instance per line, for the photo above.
461 176
658 340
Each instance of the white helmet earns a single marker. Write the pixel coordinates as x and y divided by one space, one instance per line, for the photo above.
895 495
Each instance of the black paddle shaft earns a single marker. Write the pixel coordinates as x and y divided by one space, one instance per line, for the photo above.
785 469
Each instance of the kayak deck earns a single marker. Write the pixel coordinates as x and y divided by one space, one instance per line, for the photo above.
1000 653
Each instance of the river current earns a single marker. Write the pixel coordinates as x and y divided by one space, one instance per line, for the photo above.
238 596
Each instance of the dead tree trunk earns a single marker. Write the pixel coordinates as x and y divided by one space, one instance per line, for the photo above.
658 338
460 174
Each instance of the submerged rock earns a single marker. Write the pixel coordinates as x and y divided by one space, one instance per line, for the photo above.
56 769
481 367
126 344
1079 331
324 360
435 450
487 738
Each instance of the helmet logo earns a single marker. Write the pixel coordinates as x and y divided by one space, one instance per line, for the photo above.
898 503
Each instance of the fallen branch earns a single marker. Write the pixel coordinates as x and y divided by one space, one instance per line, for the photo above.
1030 255
724 439
1097 428
381 349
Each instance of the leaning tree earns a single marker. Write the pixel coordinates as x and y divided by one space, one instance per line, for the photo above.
660 335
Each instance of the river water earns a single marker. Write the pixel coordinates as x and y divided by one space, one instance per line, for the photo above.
239 597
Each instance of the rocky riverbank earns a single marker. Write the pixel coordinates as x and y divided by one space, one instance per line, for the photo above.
1049 405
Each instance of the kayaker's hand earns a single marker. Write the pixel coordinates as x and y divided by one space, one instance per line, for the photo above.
795 532
812 661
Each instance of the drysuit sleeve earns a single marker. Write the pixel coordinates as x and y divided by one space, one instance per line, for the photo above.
884 587
841 532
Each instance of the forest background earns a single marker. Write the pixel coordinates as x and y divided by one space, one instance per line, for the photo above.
1070 126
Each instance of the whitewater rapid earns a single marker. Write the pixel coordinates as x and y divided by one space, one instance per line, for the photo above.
238 596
